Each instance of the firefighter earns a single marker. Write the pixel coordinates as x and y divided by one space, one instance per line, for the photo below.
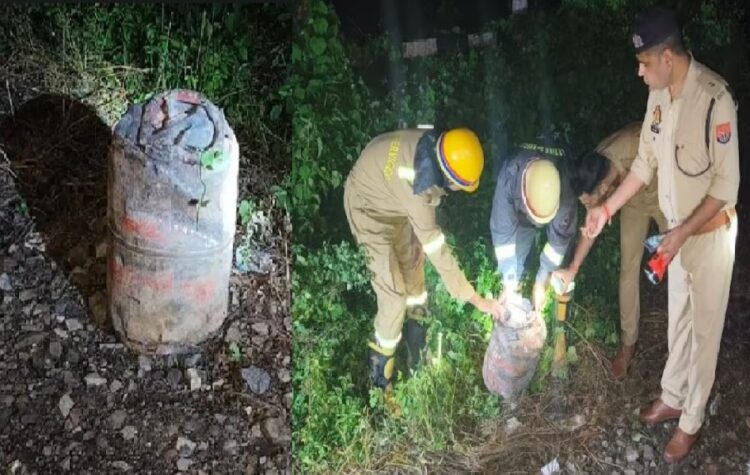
595 176
391 196
689 145
529 195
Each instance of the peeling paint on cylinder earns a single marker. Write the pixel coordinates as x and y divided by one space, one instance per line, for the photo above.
171 222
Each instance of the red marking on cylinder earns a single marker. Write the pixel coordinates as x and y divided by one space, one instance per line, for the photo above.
141 228
199 290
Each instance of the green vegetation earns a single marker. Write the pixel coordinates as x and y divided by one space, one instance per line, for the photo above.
568 73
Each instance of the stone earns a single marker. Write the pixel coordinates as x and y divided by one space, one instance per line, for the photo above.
93 380
233 333
121 465
5 284
30 340
65 405
230 447
73 325
183 464
129 432
511 425
26 295
195 379
631 454
55 350
117 419
144 363
276 430
185 446
115 385
648 453
174 377
257 379
261 328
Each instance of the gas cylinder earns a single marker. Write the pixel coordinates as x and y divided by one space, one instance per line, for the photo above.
171 208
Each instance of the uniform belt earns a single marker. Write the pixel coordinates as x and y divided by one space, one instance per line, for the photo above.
722 218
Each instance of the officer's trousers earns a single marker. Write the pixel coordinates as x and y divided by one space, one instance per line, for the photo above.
699 280
634 224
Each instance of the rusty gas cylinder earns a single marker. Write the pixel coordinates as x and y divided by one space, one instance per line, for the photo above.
172 197
514 350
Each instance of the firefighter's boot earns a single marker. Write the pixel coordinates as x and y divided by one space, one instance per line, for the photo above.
382 362
416 336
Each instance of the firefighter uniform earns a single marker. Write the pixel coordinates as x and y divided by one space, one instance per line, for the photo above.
514 230
620 149
384 214
692 141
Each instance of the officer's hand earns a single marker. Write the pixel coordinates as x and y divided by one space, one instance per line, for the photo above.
539 296
672 242
493 307
596 218
565 277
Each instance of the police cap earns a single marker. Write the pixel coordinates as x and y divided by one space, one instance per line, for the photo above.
652 26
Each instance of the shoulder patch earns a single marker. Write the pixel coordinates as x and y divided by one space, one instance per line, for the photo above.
723 132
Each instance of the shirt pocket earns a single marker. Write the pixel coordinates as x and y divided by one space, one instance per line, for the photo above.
691 159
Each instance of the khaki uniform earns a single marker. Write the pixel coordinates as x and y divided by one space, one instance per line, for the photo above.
694 158
383 214
620 148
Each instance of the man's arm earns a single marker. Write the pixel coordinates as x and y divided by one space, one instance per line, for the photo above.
582 250
597 217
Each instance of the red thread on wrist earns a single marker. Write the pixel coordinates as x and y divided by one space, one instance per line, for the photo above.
607 213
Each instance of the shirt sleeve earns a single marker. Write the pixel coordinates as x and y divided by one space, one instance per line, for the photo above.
423 221
645 163
504 226
560 233
724 150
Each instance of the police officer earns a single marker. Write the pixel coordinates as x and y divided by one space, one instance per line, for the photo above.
594 177
690 136
390 197
530 195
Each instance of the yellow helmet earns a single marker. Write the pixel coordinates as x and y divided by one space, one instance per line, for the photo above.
541 190
461 158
